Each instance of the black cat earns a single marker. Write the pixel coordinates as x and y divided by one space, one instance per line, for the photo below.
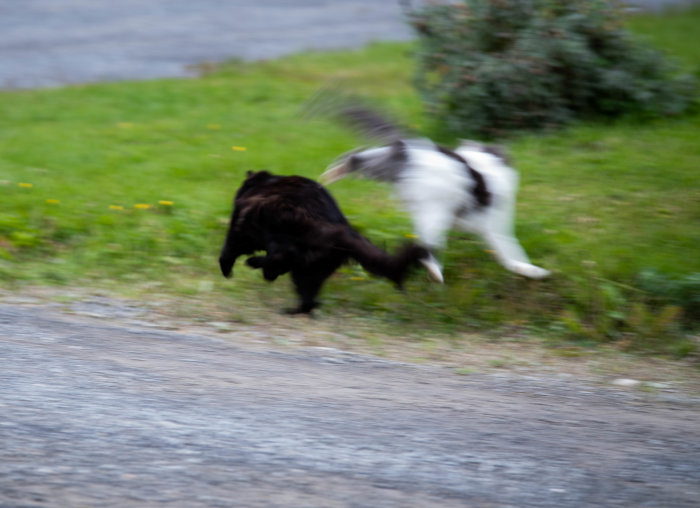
302 230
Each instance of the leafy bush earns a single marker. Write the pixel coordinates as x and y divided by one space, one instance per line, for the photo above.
490 66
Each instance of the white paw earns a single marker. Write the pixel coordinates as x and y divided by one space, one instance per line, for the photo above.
528 270
434 269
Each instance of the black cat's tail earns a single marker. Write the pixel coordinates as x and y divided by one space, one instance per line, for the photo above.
376 261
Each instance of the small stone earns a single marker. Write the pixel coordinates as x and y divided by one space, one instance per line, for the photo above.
628 383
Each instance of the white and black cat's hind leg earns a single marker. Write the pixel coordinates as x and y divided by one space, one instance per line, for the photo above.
512 256
495 227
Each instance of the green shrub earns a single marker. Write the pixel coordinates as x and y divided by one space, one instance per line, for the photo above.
683 292
490 66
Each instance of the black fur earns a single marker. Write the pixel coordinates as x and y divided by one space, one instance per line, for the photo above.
480 190
301 229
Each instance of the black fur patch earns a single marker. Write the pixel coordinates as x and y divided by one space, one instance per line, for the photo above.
480 191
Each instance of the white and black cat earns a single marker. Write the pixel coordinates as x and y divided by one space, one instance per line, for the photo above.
471 188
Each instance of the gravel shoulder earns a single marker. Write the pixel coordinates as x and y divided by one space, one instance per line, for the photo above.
101 408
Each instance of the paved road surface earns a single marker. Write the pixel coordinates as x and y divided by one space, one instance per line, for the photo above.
53 42
107 415
56 42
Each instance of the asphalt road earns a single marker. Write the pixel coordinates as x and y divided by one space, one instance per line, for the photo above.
46 43
55 42
98 414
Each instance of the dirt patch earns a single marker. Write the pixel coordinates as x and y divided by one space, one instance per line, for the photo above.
465 353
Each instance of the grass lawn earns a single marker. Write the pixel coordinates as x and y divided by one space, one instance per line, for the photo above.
128 187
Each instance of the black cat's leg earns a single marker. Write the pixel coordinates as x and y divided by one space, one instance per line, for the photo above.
278 261
307 285
256 261
308 282
268 265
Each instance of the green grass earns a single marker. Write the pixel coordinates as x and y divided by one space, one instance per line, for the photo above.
612 209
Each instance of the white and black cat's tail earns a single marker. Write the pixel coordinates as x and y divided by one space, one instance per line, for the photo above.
366 120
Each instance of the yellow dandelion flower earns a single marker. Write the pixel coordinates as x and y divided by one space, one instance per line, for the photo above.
52 201
116 207
165 203
142 206
238 148
25 185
